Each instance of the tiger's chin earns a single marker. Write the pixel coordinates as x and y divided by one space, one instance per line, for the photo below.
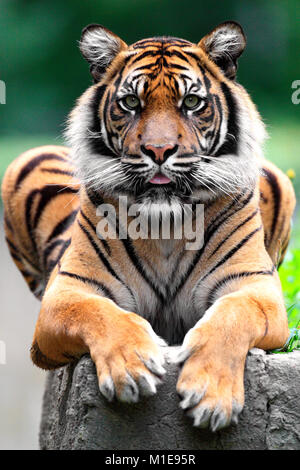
173 194
157 201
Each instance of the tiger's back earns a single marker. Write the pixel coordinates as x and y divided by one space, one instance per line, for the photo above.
40 196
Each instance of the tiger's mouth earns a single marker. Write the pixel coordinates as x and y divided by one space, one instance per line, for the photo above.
159 178
160 189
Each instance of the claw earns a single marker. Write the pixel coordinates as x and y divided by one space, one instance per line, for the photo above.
154 366
130 392
178 355
191 398
201 416
107 388
218 420
236 409
147 385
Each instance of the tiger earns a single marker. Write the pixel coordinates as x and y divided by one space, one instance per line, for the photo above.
165 125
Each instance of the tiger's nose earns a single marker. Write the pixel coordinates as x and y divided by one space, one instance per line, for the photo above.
159 153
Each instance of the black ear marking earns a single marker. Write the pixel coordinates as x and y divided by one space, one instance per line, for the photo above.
224 44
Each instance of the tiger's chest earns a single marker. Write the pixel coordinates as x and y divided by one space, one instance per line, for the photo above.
165 289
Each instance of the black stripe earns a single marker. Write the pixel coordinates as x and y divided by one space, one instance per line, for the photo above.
92 282
151 90
99 253
129 248
231 252
104 242
167 41
236 205
143 55
230 145
232 232
97 145
53 263
94 197
12 245
50 248
219 220
146 67
96 200
127 243
26 273
231 277
178 54
63 225
194 56
105 117
217 134
57 171
32 164
16 249
183 164
8 224
28 206
33 286
16 257
47 194
276 193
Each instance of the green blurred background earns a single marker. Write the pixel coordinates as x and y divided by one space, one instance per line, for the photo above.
44 74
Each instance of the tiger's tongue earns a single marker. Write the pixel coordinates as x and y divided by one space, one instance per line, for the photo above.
160 179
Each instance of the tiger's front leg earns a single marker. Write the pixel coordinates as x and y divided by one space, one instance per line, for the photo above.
126 351
214 351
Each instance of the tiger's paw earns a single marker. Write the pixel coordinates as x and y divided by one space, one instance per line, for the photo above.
210 386
131 365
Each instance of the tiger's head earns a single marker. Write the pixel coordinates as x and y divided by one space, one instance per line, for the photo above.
165 120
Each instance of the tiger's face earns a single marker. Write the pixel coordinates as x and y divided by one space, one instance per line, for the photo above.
165 121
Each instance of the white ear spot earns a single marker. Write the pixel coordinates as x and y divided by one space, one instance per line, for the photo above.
99 46
224 45
225 40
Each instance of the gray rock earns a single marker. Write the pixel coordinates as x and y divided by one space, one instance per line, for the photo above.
75 416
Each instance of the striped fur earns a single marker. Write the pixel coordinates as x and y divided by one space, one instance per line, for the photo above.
217 301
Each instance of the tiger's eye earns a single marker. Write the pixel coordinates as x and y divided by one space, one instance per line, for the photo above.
191 101
131 101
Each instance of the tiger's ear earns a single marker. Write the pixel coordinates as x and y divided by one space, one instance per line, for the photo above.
99 47
224 45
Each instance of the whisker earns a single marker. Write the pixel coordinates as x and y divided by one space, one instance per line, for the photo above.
76 196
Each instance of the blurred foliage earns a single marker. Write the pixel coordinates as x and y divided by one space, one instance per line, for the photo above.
289 274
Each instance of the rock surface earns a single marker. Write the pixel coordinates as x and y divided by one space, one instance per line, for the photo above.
75 416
